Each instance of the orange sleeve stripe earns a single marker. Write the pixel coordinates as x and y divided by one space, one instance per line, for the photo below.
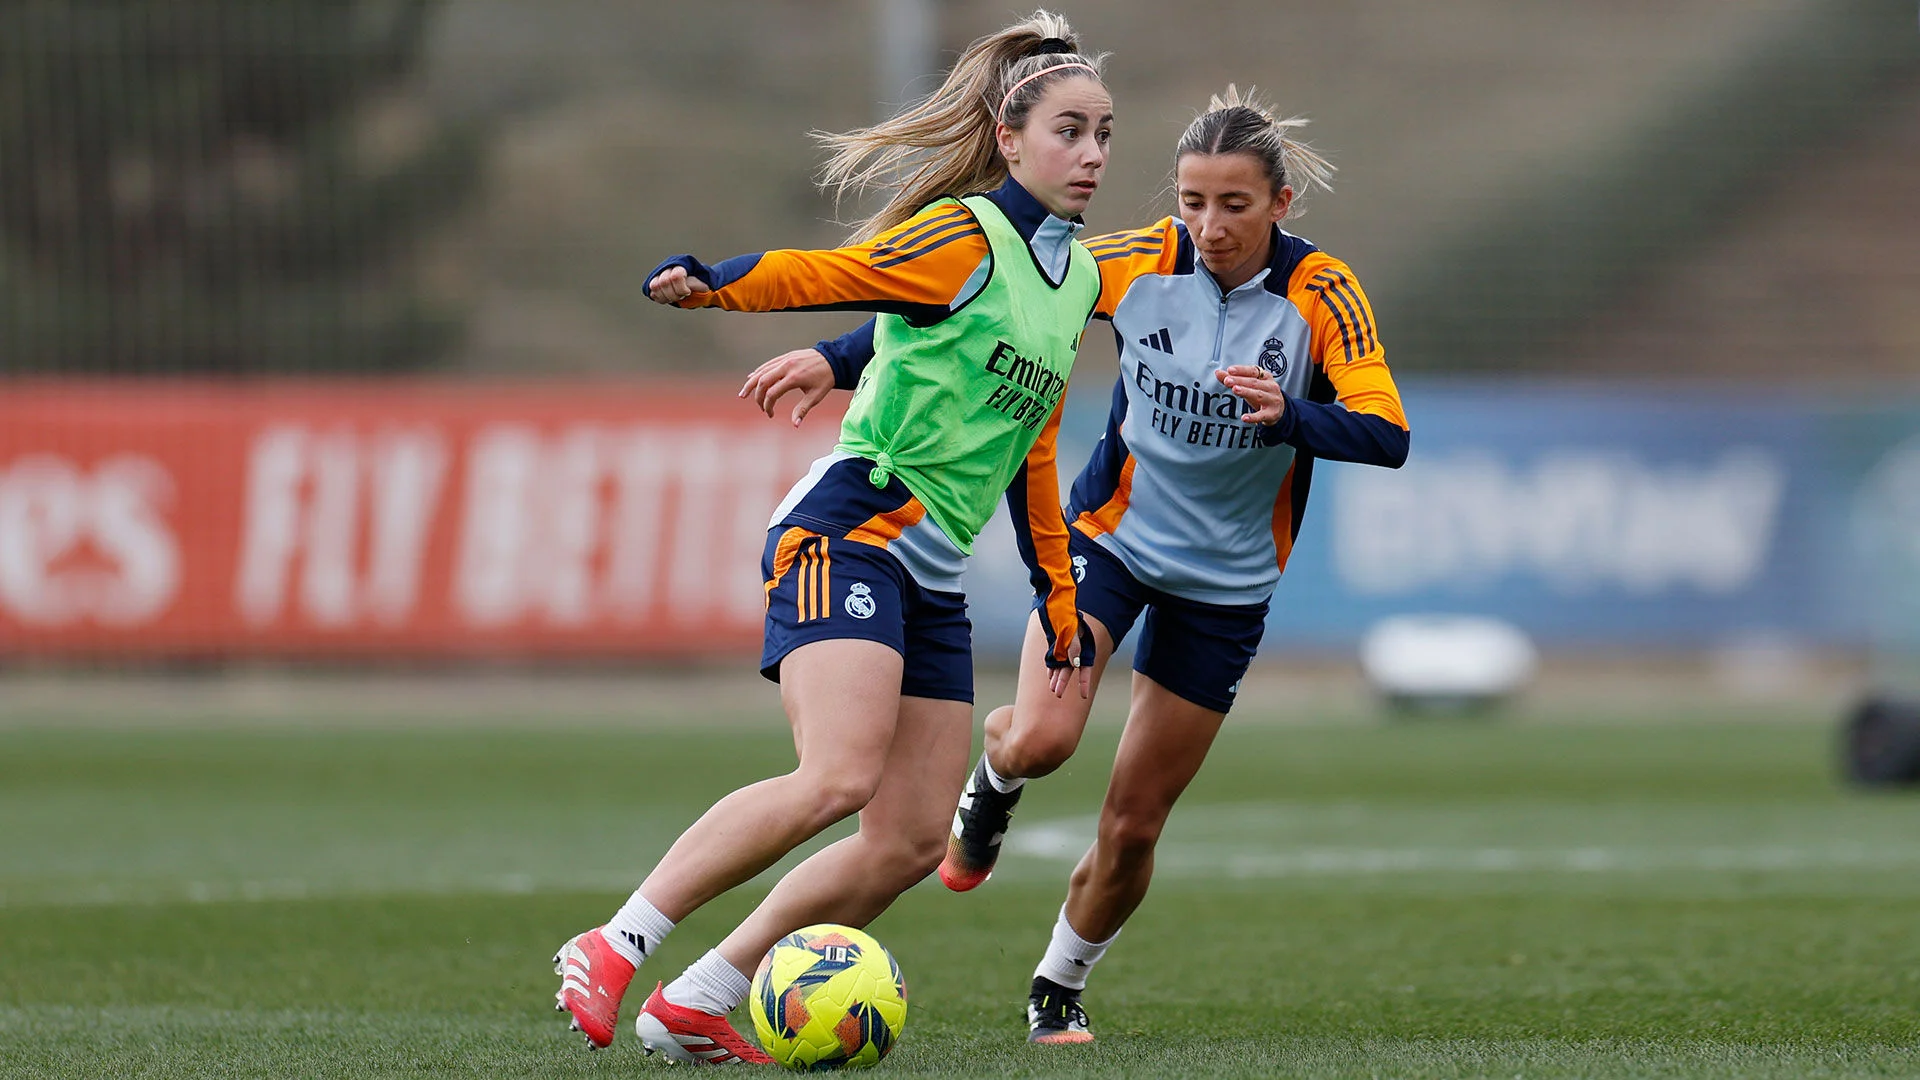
1150 234
1152 250
914 229
1349 310
786 280
1044 525
1119 272
881 529
921 233
1283 521
1346 342
1123 261
925 260
934 243
1106 519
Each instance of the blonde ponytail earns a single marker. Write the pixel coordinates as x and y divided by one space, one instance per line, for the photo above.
944 145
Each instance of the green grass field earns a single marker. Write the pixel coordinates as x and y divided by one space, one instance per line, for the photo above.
1581 898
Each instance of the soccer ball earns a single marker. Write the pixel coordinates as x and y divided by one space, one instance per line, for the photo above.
828 997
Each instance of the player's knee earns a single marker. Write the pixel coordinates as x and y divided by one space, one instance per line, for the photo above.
920 855
841 796
1130 832
1039 749
905 857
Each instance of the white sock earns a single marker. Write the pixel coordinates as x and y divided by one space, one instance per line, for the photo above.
637 929
1000 783
1069 956
711 985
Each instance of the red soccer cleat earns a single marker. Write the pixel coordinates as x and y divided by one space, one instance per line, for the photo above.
692 1036
593 979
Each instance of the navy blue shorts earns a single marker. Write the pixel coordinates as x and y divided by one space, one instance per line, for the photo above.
823 589
1198 651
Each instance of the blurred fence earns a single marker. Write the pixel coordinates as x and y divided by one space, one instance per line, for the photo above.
232 186
366 186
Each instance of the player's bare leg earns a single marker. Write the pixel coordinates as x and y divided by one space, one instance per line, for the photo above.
902 836
1165 742
842 699
1029 738
1038 732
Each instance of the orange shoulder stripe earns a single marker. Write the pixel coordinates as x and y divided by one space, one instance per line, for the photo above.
1124 258
1346 340
914 229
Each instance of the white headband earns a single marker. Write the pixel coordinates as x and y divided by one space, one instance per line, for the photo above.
1001 115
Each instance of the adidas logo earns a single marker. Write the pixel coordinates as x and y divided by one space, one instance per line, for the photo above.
1160 339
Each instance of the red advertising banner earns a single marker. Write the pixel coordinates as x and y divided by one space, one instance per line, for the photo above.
387 518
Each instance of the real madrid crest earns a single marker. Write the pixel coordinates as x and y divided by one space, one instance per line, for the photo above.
1273 358
860 603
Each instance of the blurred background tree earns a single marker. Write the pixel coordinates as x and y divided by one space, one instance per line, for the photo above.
226 186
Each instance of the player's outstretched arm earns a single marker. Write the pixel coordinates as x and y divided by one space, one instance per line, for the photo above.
897 272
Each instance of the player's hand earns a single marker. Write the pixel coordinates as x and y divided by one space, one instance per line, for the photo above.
673 285
1079 661
1259 390
804 370
1058 678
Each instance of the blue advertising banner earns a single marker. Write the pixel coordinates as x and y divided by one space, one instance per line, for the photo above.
1588 515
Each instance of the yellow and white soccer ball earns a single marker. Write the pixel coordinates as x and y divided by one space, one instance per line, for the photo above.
828 997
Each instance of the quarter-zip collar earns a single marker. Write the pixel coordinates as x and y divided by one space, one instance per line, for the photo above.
1049 238
1278 254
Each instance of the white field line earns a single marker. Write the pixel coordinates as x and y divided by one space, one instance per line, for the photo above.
1066 839
277 889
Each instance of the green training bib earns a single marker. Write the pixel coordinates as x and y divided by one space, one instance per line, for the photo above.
952 409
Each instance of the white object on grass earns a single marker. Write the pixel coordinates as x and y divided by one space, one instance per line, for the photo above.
1446 660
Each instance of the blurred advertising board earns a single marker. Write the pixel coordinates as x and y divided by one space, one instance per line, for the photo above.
625 519
1618 515
386 519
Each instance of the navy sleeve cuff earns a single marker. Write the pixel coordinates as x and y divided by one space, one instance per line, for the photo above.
691 265
849 354
1333 433
1280 432
718 276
